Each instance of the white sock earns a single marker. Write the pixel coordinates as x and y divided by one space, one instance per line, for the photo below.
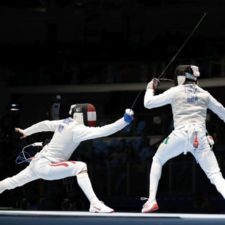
155 174
85 184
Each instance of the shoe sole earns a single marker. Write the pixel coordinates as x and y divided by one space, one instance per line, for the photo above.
100 212
96 210
155 207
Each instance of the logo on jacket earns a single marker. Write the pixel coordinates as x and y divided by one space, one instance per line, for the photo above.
192 99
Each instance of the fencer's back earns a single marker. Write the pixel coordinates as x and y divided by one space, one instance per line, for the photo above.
189 105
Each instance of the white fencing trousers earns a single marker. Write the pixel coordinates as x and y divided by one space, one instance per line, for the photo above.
42 168
181 141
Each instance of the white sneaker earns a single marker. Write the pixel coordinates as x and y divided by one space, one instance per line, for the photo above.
149 207
99 207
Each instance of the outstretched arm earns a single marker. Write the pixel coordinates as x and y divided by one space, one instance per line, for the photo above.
85 133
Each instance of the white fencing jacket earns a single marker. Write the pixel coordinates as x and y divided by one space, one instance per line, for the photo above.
189 104
68 134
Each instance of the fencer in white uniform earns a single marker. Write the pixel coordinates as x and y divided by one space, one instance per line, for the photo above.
189 105
52 162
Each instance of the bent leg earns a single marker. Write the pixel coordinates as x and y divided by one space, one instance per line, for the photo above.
23 177
59 170
84 182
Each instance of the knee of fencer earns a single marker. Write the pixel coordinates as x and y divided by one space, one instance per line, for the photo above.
81 167
157 160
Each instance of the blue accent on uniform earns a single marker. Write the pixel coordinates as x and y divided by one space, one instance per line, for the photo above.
192 99
128 118
68 120
60 128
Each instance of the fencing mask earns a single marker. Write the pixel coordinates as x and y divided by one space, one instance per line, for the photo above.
185 73
84 113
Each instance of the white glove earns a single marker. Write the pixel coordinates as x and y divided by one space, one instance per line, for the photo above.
128 115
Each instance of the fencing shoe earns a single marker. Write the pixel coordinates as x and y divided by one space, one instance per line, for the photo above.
99 207
149 207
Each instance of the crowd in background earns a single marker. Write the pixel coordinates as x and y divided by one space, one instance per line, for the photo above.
61 64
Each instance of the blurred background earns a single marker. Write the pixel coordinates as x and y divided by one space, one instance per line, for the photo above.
54 53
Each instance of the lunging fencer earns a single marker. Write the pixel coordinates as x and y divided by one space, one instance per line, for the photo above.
52 162
189 105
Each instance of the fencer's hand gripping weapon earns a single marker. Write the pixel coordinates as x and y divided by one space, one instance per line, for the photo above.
128 115
162 75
